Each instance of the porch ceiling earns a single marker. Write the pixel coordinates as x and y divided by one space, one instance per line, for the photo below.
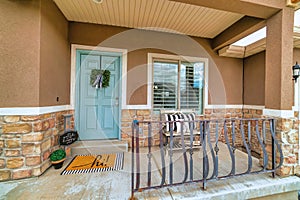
225 21
158 15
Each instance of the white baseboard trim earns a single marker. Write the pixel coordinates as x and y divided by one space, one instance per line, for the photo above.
34 110
225 106
217 106
136 107
51 109
255 107
278 113
237 106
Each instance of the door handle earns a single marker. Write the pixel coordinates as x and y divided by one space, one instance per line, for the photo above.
117 101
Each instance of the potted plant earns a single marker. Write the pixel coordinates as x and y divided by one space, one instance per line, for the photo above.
57 158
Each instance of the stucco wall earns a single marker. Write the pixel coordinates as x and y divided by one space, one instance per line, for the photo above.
254 92
20 53
225 77
296 56
137 67
254 79
35 54
279 59
225 74
55 57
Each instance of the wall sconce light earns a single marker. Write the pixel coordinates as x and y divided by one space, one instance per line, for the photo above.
296 72
295 1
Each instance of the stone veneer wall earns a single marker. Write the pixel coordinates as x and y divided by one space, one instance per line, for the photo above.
26 142
219 114
142 115
286 133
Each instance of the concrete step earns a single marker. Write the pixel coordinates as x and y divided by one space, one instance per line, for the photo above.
98 147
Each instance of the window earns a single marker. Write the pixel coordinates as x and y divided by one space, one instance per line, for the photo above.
178 84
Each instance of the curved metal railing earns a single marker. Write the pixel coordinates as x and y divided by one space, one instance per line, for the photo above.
202 162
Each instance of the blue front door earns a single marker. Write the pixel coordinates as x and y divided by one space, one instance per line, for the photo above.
97 109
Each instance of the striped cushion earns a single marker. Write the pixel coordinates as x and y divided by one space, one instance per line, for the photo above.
174 120
186 123
169 118
178 118
192 117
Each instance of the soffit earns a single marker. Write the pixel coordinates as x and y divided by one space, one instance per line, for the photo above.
158 15
259 46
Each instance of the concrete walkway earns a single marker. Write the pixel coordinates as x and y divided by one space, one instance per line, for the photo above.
117 184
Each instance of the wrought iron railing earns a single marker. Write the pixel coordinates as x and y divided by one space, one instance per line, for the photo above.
153 166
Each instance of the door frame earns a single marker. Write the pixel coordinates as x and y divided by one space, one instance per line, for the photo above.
123 64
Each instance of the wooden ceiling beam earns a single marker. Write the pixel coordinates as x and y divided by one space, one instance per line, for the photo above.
238 30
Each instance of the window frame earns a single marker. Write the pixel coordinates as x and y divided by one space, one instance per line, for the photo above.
173 58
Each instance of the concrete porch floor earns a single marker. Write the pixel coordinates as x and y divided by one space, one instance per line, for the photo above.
117 184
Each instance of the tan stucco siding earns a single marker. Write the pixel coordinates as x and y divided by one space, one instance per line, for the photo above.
296 56
231 76
254 79
55 57
35 54
91 34
225 74
279 59
225 77
35 63
137 75
20 53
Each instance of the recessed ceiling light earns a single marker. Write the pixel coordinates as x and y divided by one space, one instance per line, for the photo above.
98 1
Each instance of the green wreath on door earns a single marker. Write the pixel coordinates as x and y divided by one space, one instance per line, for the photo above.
100 78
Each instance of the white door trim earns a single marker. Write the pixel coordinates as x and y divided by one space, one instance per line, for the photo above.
75 47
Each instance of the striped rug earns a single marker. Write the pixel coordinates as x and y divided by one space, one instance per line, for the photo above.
94 163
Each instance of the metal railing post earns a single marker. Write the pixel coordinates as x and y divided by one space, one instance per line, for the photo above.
137 155
132 161
273 148
204 155
149 153
171 154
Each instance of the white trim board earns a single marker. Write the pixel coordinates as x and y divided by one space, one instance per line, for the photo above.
279 113
137 107
210 106
255 107
234 106
34 110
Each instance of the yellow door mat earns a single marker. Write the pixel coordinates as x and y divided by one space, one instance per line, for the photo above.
95 163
